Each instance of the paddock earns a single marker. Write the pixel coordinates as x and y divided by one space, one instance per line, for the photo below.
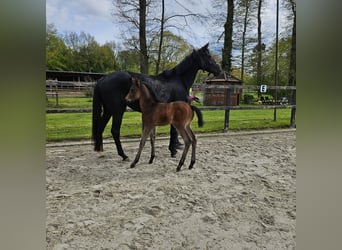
241 194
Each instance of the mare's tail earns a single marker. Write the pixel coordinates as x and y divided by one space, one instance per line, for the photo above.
199 116
96 121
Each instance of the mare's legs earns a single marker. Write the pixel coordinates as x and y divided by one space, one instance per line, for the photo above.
153 139
187 142
101 126
104 120
146 133
173 141
116 125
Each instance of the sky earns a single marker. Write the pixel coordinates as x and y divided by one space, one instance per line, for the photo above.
94 17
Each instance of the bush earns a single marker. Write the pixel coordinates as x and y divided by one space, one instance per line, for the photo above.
248 99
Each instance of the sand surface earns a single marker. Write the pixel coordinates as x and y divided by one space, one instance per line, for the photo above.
241 194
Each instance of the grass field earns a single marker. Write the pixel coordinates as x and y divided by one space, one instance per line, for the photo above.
70 102
76 126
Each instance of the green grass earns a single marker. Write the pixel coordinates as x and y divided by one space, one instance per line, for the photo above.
70 102
75 126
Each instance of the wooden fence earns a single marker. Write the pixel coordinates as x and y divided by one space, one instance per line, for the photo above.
234 88
230 89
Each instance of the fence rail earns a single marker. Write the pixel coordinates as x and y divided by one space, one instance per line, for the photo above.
247 87
230 89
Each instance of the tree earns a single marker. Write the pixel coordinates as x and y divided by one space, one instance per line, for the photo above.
57 53
142 37
162 23
246 5
87 52
228 38
88 55
126 12
173 50
269 58
129 60
291 4
292 69
166 25
260 46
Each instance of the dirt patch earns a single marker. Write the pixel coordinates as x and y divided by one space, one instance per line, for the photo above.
241 194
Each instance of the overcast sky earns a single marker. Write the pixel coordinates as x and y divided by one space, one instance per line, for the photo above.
94 18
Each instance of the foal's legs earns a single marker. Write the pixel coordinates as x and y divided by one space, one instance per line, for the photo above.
187 142
193 143
146 132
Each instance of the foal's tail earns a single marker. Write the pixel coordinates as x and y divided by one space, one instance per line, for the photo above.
96 121
199 116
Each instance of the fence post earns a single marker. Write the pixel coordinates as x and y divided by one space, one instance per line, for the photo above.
57 102
227 111
293 109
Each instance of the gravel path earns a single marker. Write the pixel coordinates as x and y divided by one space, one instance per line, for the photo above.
241 194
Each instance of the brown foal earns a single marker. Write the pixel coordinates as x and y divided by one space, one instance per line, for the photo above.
178 113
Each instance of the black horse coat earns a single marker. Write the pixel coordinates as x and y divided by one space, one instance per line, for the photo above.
170 85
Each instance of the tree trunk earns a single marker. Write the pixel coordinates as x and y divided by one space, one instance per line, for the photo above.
292 71
161 37
228 38
259 46
247 3
142 38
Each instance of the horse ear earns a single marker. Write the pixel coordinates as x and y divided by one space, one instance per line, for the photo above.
138 82
206 46
135 81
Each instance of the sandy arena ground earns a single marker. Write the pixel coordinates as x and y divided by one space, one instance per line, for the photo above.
241 194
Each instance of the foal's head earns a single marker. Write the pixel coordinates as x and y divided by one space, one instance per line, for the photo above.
134 91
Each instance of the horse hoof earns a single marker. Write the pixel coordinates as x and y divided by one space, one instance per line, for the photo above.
132 165
151 160
124 157
173 155
191 165
179 145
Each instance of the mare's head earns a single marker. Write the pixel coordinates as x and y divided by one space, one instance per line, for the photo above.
206 61
134 91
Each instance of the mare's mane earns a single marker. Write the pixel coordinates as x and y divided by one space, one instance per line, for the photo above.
159 86
180 68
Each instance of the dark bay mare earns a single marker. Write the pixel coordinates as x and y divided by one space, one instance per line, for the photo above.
170 85
178 113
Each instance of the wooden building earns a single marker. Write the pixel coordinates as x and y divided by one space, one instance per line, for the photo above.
73 76
216 96
70 80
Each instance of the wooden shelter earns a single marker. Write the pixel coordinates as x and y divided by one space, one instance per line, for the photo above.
73 76
216 96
